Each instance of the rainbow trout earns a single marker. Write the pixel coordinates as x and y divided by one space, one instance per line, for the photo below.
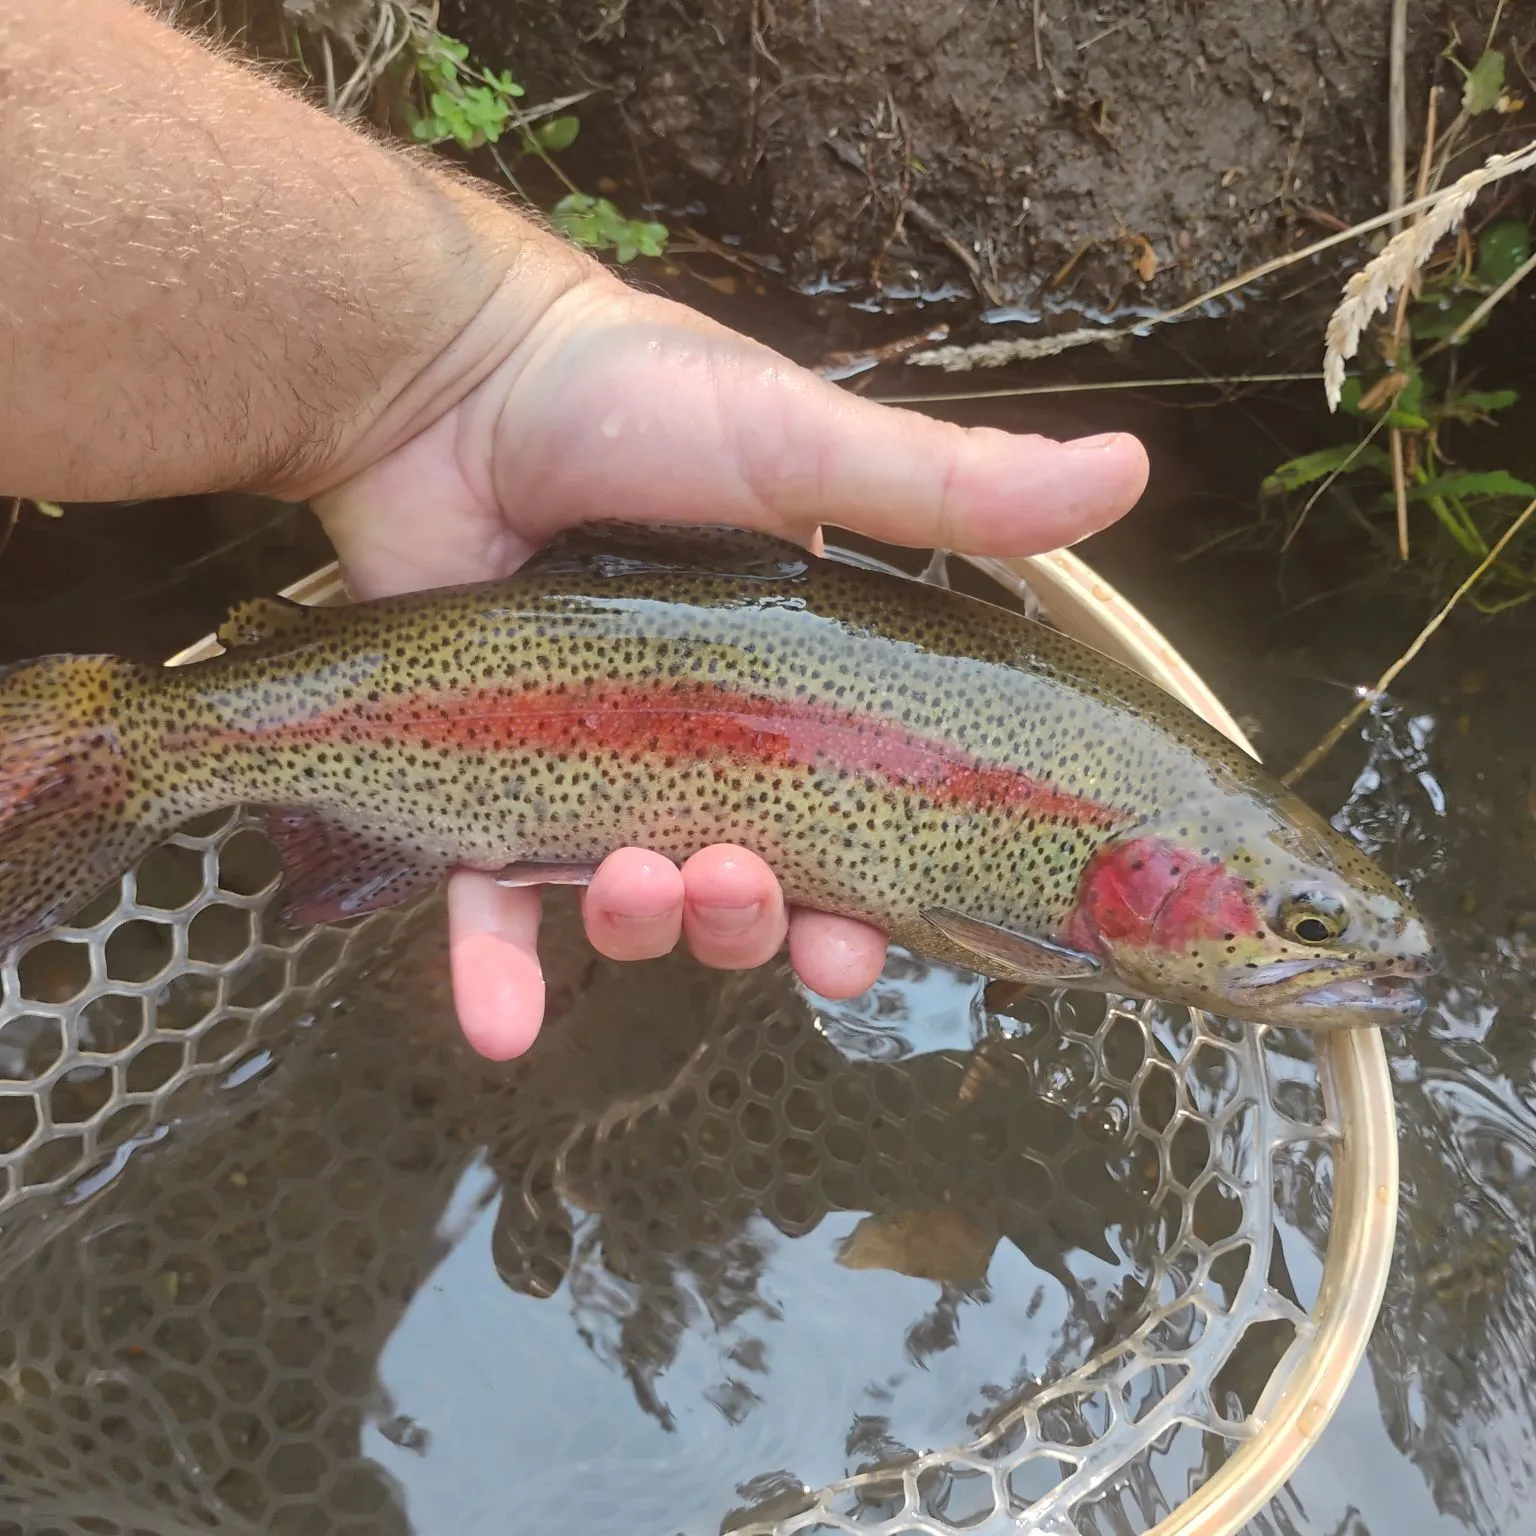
987 791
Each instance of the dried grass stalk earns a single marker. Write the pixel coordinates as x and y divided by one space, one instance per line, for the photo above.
1370 290
1023 349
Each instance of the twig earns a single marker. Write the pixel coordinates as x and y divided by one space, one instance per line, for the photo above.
1323 217
840 365
1205 546
1450 143
1493 26
928 222
1397 112
530 115
382 48
1098 37
506 170
1039 56
1400 319
1322 489
1482 311
1421 186
751 265
1064 271
1387 678
1079 389
330 72
519 120
1400 491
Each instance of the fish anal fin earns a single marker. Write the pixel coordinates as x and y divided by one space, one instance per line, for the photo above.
334 870
258 620
620 548
1005 955
546 872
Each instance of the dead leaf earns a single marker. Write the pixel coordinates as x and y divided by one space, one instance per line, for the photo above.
1146 258
1387 388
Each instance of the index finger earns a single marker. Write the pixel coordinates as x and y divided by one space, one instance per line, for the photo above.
498 983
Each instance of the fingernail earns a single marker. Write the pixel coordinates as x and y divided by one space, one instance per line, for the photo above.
1096 444
729 921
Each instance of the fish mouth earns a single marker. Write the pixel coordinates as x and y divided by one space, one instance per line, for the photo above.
1388 998
1333 997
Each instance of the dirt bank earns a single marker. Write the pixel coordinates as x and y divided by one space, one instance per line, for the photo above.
1035 153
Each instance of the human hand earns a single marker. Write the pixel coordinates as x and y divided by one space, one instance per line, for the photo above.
619 404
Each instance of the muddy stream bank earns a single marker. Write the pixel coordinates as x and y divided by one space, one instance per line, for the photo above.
1029 158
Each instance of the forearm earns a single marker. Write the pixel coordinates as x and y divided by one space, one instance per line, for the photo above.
205 283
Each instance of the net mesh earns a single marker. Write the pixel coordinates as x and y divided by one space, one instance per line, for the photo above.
203 1359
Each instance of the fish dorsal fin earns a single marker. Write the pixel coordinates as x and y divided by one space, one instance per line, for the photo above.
333 870
1000 952
624 549
258 620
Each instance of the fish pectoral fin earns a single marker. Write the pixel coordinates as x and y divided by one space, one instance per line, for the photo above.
936 572
258 620
1011 956
334 870
616 548
547 872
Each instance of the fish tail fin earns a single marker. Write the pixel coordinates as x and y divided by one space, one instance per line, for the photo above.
72 817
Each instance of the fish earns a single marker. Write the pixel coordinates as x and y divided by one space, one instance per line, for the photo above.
990 793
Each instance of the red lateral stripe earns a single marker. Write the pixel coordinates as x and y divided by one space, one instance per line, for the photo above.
698 723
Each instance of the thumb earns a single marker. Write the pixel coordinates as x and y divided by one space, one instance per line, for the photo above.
632 402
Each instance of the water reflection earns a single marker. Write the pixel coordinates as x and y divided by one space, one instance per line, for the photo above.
1444 797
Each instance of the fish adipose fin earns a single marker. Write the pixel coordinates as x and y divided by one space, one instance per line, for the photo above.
334 870
72 817
259 620
1000 952
626 549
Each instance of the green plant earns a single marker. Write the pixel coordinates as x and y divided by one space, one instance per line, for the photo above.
465 104
1417 389
595 222
458 102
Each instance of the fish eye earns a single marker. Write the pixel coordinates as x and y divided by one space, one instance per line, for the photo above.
1312 917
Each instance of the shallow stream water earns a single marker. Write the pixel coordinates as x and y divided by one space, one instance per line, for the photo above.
529 1346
